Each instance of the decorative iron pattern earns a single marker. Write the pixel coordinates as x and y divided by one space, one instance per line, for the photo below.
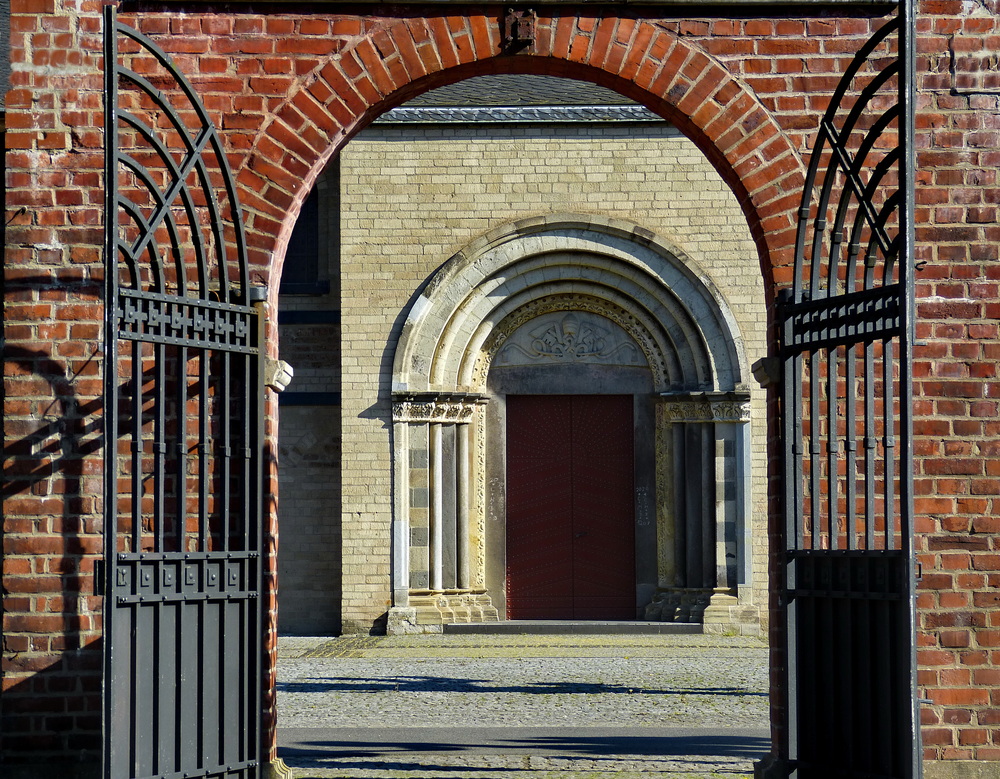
846 338
183 455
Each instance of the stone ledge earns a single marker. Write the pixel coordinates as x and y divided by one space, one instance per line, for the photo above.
961 769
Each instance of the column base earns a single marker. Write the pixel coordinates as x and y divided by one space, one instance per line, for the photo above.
678 604
277 769
429 610
725 616
718 610
771 767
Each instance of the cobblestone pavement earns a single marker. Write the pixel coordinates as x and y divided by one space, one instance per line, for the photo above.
602 706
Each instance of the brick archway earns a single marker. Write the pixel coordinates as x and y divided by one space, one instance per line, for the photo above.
383 65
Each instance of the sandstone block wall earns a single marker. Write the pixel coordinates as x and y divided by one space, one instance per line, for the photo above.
413 197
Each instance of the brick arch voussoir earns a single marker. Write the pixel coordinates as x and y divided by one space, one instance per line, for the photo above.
390 63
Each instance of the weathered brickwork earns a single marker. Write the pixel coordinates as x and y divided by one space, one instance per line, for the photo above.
288 90
957 470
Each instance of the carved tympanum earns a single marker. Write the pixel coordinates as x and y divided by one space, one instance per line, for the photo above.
576 336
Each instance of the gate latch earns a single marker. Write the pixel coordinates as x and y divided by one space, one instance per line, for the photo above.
99 573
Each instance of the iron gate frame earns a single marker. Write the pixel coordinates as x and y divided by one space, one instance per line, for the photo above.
177 602
863 586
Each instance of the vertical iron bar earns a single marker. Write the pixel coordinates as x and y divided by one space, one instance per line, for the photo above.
888 445
844 637
827 672
863 667
791 432
882 718
201 688
907 260
159 444
180 544
815 512
870 446
226 436
256 632
248 406
797 442
138 455
832 445
851 421
110 369
205 449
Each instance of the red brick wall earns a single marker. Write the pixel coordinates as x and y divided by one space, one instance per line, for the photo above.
956 390
52 384
287 90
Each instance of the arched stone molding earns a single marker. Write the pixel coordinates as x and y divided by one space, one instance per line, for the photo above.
382 65
686 342
693 338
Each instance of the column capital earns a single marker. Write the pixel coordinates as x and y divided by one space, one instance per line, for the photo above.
443 408
689 407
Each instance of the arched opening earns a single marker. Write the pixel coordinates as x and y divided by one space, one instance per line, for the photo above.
367 413
691 340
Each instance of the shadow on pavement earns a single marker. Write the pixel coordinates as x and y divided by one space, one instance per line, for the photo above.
590 747
447 684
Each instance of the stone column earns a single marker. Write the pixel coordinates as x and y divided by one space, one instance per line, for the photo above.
401 514
444 593
462 495
437 507
702 504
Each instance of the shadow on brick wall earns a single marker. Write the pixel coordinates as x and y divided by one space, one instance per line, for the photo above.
50 714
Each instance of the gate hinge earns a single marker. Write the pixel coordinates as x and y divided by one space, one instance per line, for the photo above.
100 571
919 572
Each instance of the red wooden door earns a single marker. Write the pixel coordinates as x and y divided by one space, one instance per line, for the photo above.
570 507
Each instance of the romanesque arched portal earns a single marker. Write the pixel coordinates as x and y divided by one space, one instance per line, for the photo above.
566 305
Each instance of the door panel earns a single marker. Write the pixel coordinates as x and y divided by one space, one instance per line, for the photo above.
539 502
570 507
604 508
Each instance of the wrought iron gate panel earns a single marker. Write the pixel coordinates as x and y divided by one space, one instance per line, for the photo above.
183 390
846 329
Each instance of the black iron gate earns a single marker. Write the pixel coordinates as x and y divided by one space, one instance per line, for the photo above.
846 336
182 630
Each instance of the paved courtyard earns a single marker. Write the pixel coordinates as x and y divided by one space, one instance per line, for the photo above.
523 707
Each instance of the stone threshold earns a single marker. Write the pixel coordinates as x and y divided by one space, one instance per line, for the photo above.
571 627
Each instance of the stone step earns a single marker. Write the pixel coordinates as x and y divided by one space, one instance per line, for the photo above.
572 627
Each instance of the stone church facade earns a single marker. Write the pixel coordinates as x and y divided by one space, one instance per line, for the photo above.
475 262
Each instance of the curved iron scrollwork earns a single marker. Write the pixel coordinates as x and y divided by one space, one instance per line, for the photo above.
846 310
172 194
847 324
852 198
183 469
